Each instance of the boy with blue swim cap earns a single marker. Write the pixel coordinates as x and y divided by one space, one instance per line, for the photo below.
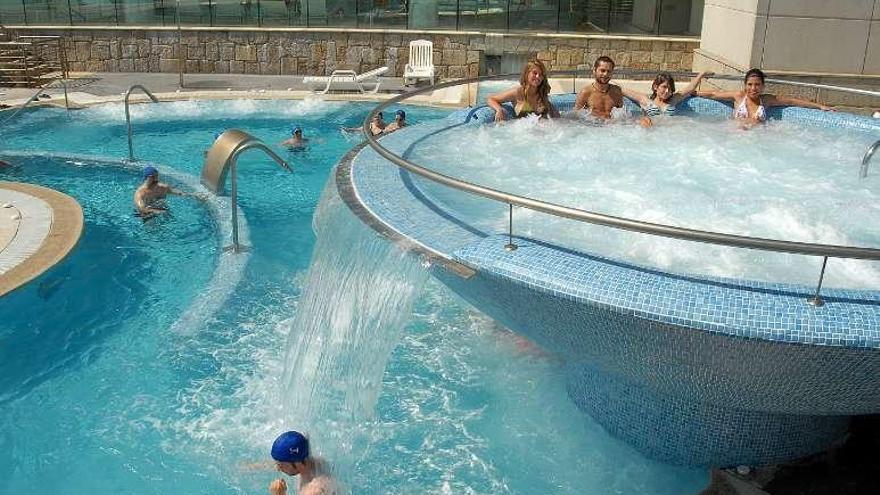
296 140
292 457
149 198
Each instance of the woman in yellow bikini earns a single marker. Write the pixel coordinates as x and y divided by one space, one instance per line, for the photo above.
530 97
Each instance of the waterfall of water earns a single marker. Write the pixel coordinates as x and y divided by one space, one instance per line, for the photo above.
357 296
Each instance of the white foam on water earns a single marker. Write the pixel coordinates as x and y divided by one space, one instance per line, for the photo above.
195 110
779 181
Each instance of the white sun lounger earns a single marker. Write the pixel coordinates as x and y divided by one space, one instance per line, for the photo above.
348 80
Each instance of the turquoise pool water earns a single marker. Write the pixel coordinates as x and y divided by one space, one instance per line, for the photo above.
99 394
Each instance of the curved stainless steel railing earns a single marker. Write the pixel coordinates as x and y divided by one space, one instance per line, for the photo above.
863 171
36 96
128 114
824 250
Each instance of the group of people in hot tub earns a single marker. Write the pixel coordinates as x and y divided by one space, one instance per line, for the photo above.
599 98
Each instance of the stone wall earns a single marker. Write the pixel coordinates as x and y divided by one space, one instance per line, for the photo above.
319 52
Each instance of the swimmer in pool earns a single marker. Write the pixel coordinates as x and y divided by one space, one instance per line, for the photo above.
399 122
377 125
600 97
292 457
750 104
663 98
531 97
149 198
296 140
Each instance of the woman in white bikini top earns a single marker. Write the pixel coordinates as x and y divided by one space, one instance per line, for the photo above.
751 104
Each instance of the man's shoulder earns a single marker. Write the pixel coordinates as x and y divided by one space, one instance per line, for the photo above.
320 485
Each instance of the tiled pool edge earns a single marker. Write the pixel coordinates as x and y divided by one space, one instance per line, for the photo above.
64 229
762 393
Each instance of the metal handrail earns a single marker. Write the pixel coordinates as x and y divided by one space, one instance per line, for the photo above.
805 248
37 95
128 114
863 172
223 157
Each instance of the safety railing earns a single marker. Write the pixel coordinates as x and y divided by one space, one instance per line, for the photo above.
812 249
863 172
222 159
128 114
36 96
659 18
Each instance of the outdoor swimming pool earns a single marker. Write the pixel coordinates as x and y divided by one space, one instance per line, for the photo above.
99 394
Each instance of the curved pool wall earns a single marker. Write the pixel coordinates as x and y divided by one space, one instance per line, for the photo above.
688 369
230 266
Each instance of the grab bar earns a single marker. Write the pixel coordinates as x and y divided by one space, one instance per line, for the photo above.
863 172
128 115
221 159
37 95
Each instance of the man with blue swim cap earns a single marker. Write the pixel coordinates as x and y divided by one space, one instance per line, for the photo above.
292 457
296 141
149 198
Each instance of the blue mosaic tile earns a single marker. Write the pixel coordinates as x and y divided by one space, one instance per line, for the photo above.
691 370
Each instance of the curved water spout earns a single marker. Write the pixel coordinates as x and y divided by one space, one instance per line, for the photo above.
223 157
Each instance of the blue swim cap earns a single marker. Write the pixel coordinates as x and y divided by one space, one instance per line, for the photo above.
290 446
295 128
150 171
401 113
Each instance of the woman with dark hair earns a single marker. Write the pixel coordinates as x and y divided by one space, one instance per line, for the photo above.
532 96
663 98
750 103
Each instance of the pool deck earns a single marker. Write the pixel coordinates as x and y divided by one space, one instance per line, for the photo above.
38 228
85 89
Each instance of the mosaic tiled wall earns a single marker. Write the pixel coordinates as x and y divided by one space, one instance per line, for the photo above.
689 370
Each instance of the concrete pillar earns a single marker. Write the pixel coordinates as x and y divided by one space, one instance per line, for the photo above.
802 37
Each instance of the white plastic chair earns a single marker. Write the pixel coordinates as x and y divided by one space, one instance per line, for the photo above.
421 62
348 79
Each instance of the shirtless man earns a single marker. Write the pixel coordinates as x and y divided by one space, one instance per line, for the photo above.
291 454
399 121
601 96
148 197
296 140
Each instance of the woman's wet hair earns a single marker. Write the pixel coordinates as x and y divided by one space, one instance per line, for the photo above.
661 78
543 91
754 73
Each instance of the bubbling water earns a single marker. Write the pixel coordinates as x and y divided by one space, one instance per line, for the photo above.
781 181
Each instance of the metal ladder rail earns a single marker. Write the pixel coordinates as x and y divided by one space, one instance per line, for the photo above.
34 98
222 160
863 172
128 114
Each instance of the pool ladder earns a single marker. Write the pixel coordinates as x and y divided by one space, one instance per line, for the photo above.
863 172
222 157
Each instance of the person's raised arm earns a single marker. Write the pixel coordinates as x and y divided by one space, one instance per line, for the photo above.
778 101
494 101
635 96
693 84
719 95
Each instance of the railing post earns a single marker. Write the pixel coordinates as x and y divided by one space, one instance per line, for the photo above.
180 59
66 101
510 246
128 114
816 300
